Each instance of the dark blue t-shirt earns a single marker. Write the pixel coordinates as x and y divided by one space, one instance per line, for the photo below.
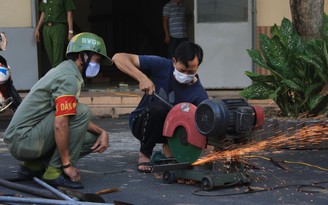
160 71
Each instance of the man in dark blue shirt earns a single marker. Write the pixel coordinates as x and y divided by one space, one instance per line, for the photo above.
176 79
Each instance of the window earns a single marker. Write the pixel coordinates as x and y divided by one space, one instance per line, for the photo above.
222 11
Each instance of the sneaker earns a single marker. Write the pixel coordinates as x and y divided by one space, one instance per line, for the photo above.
64 181
24 173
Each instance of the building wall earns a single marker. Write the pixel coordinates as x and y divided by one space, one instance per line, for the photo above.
18 20
268 12
15 13
271 12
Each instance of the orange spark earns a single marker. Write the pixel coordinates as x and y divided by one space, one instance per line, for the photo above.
308 135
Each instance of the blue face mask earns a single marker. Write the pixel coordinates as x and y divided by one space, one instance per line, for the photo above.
92 70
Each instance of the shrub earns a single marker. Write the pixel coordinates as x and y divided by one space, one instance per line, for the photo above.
298 79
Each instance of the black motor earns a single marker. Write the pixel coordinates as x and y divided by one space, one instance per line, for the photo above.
227 118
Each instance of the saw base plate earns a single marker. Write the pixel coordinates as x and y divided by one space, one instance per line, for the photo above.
209 175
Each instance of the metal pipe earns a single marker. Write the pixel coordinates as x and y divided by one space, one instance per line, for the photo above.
45 201
53 190
28 189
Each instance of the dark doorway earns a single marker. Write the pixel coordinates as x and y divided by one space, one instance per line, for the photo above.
132 26
129 25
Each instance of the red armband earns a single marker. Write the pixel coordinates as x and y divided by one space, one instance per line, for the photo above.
66 105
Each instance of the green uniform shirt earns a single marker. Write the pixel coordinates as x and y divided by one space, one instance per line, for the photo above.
56 10
65 79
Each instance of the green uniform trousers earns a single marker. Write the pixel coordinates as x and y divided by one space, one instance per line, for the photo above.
54 38
39 143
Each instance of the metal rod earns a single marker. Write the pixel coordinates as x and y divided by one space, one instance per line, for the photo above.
53 190
28 189
163 100
46 201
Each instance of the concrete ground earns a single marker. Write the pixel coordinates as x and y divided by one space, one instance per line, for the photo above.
116 168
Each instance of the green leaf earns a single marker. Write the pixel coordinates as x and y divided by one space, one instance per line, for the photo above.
313 88
276 93
299 67
257 58
296 44
292 85
259 77
325 26
277 55
286 31
274 30
259 91
315 101
325 52
264 45
318 65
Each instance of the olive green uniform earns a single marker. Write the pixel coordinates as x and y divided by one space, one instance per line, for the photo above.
55 28
30 134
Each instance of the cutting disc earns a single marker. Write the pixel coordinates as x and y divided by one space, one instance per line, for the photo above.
181 149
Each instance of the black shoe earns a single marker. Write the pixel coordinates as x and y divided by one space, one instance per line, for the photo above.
63 181
24 173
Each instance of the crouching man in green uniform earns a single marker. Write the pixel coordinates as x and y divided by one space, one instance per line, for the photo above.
51 130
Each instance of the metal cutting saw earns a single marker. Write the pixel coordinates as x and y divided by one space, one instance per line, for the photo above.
214 122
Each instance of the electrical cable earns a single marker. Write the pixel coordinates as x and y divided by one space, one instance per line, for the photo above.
305 188
288 162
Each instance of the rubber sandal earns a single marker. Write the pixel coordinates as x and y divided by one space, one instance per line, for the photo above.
148 164
158 158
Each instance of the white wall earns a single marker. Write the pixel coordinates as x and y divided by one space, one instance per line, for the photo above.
21 53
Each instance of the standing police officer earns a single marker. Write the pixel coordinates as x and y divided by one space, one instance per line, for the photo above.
57 21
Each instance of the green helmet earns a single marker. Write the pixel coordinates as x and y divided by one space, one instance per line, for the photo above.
88 42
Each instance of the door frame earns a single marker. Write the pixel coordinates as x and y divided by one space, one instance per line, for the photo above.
214 72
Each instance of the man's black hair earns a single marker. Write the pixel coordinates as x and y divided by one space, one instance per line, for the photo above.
187 51
75 56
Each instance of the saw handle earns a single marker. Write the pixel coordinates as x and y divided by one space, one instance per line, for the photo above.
163 100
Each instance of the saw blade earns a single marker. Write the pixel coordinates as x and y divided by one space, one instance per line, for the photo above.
181 149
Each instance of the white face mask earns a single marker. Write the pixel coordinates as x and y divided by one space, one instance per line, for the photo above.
183 78
92 70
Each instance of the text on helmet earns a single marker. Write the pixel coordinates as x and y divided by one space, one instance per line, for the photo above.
90 41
